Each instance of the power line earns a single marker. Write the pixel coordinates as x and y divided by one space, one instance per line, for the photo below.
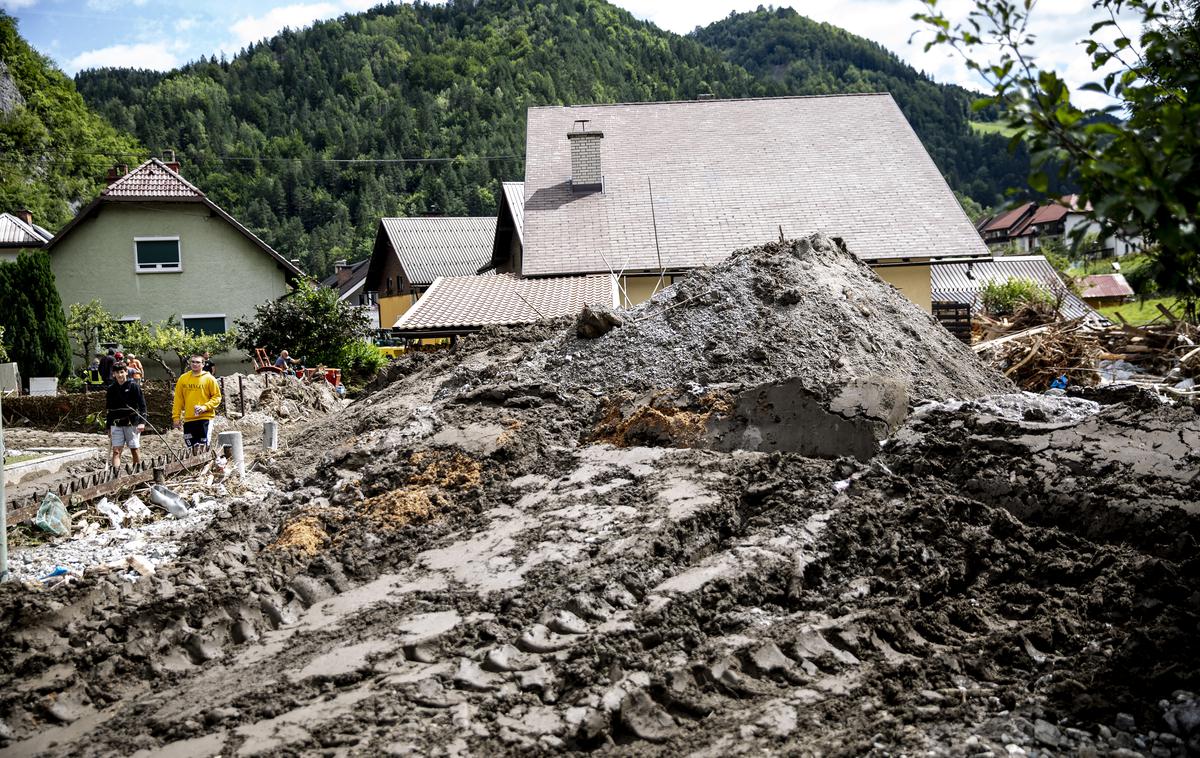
61 159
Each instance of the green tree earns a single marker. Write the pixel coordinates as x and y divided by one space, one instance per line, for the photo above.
1143 172
35 329
87 326
1006 298
310 323
168 339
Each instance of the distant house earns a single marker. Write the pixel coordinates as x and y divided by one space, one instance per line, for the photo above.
1104 290
645 192
349 280
18 233
152 246
410 253
1028 225
963 282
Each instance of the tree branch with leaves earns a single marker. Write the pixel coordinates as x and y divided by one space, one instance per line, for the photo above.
1137 161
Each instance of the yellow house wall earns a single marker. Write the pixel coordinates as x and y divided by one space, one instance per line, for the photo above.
639 289
912 280
392 308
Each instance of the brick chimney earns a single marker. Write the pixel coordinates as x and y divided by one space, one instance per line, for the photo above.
585 158
342 269
25 215
168 158
116 172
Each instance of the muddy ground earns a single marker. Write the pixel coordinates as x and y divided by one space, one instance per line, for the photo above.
455 565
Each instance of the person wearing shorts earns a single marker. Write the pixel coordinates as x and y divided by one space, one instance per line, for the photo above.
197 396
126 406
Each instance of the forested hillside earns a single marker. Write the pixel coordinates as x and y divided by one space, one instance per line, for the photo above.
312 136
53 150
810 58
263 133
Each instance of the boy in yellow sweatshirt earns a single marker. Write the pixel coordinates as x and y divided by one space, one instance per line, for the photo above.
197 396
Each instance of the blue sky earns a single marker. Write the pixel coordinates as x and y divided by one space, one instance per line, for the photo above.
163 34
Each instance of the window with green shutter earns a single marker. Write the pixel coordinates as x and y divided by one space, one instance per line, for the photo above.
157 254
204 324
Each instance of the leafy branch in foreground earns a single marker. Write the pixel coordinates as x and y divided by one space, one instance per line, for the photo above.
1142 172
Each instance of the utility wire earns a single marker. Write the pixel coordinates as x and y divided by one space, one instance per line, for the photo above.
60 158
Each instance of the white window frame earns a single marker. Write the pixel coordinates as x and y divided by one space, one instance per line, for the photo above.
128 319
158 266
184 317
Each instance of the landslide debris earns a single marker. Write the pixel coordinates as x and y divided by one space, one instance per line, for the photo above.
565 596
805 308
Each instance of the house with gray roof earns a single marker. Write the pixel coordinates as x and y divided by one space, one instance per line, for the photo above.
152 245
18 233
963 282
349 280
644 192
411 253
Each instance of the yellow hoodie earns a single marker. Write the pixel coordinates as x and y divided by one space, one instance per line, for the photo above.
192 390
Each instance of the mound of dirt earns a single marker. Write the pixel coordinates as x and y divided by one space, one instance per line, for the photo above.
806 309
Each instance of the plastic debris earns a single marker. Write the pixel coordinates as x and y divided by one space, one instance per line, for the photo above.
52 516
113 511
136 510
174 504
140 565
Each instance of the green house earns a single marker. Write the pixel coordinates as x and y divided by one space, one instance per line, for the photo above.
152 246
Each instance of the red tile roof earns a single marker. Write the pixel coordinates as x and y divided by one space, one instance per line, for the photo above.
1007 220
1106 285
152 179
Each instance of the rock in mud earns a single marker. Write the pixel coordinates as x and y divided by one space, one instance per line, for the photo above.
596 321
646 719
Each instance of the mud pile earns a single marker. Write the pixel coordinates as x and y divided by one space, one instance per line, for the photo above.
804 309
453 566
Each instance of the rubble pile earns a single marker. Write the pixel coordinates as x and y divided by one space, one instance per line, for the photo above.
1163 354
456 565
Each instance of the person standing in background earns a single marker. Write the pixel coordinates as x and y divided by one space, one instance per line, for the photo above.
106 364
133 364
197 396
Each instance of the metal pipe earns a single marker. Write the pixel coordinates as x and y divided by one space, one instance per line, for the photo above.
270 434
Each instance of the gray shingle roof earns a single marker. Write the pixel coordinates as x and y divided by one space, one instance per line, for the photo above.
475 301
358 272
953 282
728 174
429 247
16 233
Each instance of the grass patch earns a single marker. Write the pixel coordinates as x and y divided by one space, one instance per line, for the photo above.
10 460
1144 311
992 127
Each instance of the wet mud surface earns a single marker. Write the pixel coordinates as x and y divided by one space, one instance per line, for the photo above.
455 565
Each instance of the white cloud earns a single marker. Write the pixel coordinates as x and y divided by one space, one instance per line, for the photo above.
108 6
251 29
13 5
153 55
183 24
1059 27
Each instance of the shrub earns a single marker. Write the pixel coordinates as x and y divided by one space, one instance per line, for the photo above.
310 323
1006 298
360 360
